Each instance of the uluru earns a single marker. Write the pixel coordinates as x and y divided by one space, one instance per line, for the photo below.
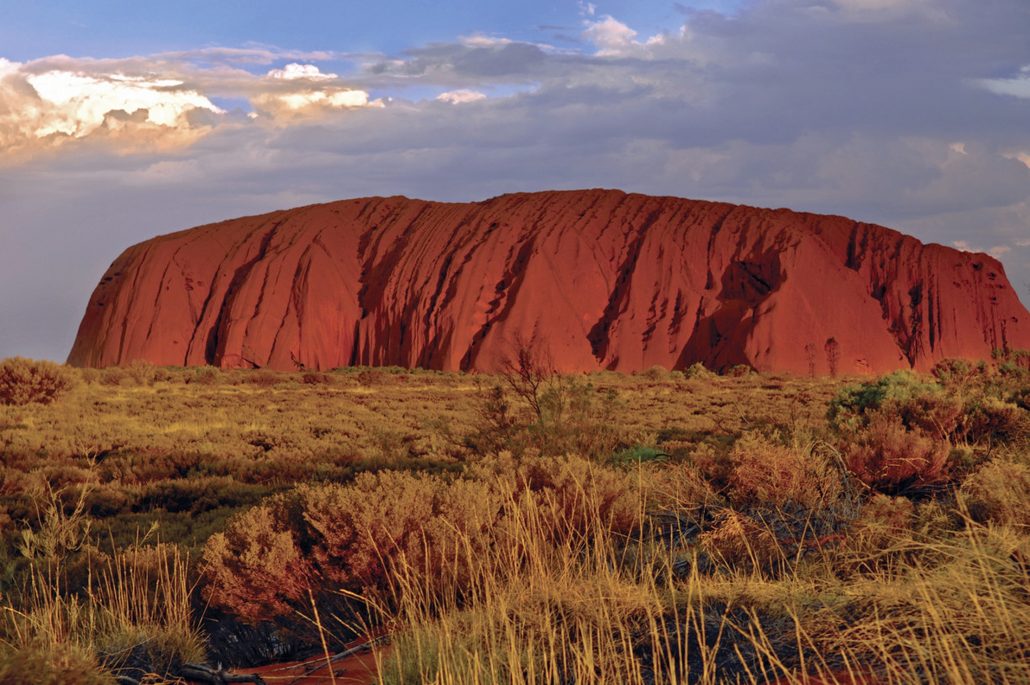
598 279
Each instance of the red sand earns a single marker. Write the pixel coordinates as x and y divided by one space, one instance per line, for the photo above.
359 669
600 279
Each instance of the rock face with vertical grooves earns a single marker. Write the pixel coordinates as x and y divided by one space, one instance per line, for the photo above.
597 279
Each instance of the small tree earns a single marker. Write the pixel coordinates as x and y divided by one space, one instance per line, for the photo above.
832 349
810 358
530 373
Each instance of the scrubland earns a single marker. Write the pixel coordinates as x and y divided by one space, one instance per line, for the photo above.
665 527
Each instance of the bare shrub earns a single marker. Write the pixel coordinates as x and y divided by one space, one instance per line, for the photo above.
768 474
738 371
738 541
263 378
204 375
574 493
529 372
142 372
26 381
538 410
677 486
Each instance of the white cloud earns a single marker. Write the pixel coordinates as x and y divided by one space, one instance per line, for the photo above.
1023 243
1017 86
995 251
461 96
299 96
610 35
40 107
141 103
478 40
306 72
612 38
76 104
307 99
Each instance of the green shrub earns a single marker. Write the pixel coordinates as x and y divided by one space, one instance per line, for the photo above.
853 406
959 372
638 454
25 381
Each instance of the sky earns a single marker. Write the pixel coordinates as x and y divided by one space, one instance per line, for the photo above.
124 120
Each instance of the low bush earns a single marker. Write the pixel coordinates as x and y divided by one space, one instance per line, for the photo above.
894 460
256 567
914 399
768 474
999 492
27 381
360 536
699 371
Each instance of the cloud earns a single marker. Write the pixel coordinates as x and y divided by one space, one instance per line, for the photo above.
295 72
1016 86
139 104
996 251
615 39
50 106
875 112
306 102
309 91
461 96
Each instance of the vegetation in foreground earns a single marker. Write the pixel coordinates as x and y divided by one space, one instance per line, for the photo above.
526 528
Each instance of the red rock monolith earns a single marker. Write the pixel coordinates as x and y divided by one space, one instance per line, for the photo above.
596 279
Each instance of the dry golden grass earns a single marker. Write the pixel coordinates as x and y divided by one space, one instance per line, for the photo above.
657 528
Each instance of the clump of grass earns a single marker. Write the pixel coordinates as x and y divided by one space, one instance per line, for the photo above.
999 492
131 616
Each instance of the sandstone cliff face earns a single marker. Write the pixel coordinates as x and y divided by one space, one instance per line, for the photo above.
597 279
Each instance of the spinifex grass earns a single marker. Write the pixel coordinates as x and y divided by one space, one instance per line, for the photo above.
131 613
602 608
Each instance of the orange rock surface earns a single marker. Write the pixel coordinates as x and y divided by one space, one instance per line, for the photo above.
597 279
